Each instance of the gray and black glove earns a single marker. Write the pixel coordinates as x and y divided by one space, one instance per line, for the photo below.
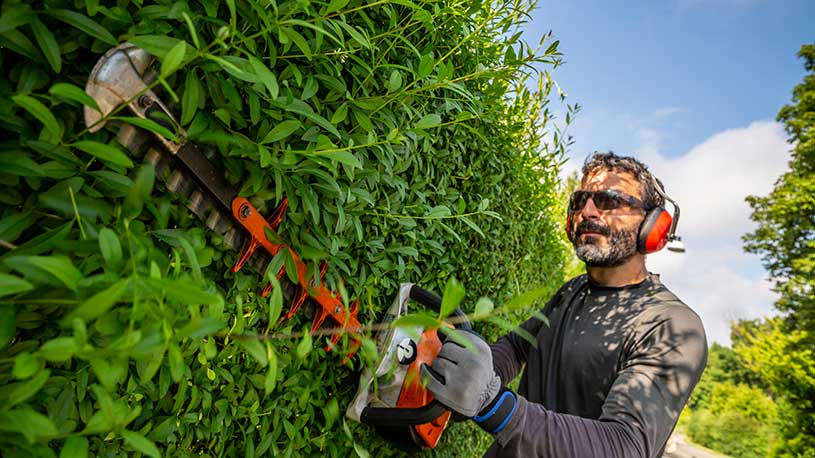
463 380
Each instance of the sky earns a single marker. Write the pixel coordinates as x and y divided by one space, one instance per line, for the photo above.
692 88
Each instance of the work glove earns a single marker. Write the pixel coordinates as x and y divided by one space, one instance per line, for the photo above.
462 378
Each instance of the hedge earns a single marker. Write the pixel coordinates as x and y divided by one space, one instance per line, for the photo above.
406 138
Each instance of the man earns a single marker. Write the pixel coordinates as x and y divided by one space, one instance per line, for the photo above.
612 370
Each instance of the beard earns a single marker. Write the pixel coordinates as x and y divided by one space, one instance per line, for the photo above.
621 246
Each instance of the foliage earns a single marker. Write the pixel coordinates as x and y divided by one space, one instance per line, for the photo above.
729 410
785 236
404 136
723 366
785 361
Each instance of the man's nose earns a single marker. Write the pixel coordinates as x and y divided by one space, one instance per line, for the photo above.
590 211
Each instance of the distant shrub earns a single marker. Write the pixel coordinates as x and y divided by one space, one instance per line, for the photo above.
740 421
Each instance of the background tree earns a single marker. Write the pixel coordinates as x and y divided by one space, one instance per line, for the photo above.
785 237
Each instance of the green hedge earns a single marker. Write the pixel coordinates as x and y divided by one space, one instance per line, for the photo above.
405 137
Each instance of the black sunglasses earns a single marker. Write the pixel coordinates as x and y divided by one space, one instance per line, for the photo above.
607 199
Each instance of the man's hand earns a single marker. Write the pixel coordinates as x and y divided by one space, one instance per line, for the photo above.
462 378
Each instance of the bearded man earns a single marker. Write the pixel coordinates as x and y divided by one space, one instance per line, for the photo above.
610 372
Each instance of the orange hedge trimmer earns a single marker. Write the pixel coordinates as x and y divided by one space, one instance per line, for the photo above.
391 398
120 80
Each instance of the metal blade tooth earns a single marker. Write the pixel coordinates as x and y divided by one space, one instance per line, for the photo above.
160 161
199 204
218 223
234 238
133 139
180 184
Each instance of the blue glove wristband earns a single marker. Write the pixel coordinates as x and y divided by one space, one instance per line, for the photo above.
497 414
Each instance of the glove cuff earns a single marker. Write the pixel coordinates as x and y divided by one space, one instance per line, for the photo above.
497 414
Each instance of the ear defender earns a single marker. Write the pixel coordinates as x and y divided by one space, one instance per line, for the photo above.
654 231
659 227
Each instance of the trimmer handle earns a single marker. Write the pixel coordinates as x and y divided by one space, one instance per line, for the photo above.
403 416
433 301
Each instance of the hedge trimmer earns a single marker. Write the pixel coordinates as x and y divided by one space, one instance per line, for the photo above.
390 398
121 81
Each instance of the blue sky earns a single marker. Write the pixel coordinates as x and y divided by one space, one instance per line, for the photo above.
709 65
692 88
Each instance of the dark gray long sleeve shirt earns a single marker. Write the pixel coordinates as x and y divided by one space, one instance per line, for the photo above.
606 378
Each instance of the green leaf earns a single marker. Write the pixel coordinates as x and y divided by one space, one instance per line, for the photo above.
173 59
110 247
73 93
140 191
426 64
16 393
472 225
177 367
428 121
59 267
526 299
335 5
74 447
484 306
8 325
395 81
271 374
99 303
157 45
84 24
305 346
453 294
298 40
417 320
14 15
149 125
25 365
439 211
186 292
9 284
302 108
254 348
191 29
105 152
189 100
282 131
344 157
33 425
20 164
59 349
265 76
200 327
39 111
48 44
276 299
141 443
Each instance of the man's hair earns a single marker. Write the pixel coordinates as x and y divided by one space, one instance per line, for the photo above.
614 163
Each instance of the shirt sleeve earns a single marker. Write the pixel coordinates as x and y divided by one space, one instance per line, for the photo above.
664 357
509 353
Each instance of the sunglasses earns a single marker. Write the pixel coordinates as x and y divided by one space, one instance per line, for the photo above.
607 199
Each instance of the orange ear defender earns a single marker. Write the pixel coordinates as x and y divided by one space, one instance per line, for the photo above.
657 229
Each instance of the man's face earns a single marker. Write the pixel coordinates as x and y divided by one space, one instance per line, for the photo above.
607 238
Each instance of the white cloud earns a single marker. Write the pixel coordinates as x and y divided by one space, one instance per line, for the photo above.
710 182
715 277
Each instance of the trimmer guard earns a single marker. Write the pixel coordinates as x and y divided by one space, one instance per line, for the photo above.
393 399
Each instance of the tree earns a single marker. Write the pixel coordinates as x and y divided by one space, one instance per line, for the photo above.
784 360
785 237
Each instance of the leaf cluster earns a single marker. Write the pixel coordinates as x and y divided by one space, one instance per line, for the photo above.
412 140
